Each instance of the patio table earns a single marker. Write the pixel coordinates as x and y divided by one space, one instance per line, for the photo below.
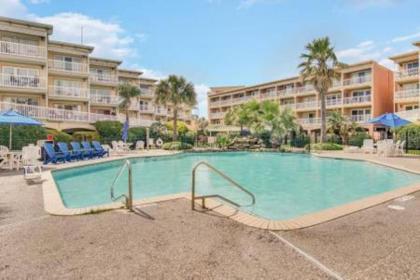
11 160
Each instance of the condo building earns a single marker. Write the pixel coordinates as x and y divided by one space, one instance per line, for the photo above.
407 84
64 86
362 91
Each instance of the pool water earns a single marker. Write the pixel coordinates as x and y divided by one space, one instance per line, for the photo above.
285 185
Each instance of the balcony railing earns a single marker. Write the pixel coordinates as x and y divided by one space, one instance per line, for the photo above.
161 111
215 103
24 50
24 82
333 102
411 115
103 78
357 80
241 100
360 118
217 115
147 92
291 106
270 95
287 92
309 121
308 104
305 89
66 66
104 99
357 99
72 92
408 73
147 109
407 93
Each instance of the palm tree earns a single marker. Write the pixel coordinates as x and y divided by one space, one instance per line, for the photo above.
177 92
244 115
127 91
319 68
341 126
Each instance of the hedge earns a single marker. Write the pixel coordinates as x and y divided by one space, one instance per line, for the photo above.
21 135
176 146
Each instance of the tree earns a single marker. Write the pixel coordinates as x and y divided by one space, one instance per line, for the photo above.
127 91
200 124
177 92
244 115
341 126
319 68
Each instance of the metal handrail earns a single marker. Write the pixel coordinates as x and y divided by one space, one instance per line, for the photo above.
128 197
224 176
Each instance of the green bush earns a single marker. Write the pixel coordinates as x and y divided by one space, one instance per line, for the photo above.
334 138
176 146
182 127
85 135
109 129
188 137
410 133
21 135
265 137
300 141
63 137
223 141
325 147
136 133
357 139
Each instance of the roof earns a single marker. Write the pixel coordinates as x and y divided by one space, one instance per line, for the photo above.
129 71
106 60
402 55
80 46
48 27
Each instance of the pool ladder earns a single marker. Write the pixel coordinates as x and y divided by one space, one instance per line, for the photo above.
224 176
128 198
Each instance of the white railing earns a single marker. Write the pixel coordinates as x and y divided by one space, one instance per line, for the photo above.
407 93
357 80
18 81
103 78
215 103
408 73
104 99
411 115
291 106
217 115
305 89
360 118
270 95
333 102
287 92
73 92
242 99
161 111
309 121
19 49
134 106
307 104
336 83
147 109
147 92
66 66
357 99
54 114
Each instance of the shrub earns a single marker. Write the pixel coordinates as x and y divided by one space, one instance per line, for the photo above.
181 126
265 137
334 138
300 141
357 139
85 135
188 137
21 135
325 147
62 137
223 141
410 133
136 133
176 146
109 129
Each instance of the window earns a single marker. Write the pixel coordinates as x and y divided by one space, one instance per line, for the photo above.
411 107
20 46
71 107
358 112
361 93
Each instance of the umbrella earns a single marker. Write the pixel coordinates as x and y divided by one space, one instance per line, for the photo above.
14 118
125 131
389 120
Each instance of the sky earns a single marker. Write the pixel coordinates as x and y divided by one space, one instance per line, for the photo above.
226 42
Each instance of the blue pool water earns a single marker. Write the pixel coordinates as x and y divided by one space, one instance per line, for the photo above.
285 185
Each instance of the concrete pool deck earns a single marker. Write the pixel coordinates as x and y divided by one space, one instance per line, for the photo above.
375 243
55 206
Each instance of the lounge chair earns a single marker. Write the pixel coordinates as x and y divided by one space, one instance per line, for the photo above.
140 145
81 152
68 154
99 149
368 146
52 156
87 147
32 167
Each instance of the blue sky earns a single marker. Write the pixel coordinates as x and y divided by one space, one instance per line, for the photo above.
226 42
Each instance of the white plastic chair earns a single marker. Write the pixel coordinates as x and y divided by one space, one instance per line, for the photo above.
32 167
368 146
4 160
140 145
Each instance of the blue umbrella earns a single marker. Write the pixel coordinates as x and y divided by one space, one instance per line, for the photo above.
125 131
389 120
12 118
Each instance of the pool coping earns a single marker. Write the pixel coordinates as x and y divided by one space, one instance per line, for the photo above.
54 205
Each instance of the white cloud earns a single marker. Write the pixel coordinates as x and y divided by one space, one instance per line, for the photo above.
201 91
12 8
406 37
363 51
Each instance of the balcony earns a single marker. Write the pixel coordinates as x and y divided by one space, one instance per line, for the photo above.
290 106
309 121
22 82
160 111
215 103
411 115
103 79
147 109
68 67
407 73
22 50
217 115
287 92
270 95
407 94
241 100
357 80
305 89
360 118
333 102
307 105
68 92
357 99
147 93
104 99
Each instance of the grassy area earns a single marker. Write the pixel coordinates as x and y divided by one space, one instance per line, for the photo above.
414 152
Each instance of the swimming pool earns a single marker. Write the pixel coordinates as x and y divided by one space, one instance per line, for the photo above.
285 185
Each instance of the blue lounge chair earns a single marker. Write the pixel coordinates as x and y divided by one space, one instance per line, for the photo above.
99 149
81 152
65 150
51 155
87 147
